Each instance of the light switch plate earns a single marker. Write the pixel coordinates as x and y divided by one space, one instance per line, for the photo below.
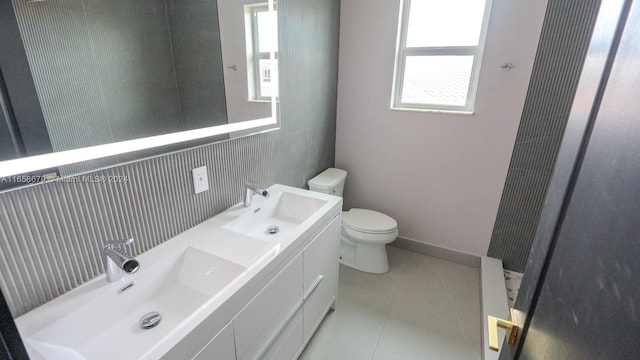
200 180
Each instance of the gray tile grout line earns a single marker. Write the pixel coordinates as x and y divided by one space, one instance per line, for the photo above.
395 295
386 320
455 309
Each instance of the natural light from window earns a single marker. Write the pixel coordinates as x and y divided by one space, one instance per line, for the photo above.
267 42
262 42
439 49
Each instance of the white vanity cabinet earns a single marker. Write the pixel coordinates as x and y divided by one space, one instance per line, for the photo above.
320 276
289 343
319 284
258 326
276 322
249 283
220 347
282 318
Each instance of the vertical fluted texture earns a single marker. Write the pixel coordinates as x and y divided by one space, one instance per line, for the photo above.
104 72
561 52
51 234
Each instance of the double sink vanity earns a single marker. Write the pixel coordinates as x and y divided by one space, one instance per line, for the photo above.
253 282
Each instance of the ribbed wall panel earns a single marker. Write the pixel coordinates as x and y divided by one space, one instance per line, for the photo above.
89 79
58 89
51 235
563 45
56 231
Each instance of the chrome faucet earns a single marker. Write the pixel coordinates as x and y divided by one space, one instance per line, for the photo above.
251 187
118 261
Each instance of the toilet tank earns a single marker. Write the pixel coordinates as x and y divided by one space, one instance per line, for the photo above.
330 181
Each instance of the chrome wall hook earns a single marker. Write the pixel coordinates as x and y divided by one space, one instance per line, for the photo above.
506 66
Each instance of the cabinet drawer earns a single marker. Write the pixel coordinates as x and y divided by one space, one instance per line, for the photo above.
257 325
289 341
320 275
220 347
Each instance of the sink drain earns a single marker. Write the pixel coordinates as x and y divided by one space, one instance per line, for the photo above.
150 320
273 230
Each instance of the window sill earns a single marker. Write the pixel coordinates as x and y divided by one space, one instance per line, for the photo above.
261 101
452 112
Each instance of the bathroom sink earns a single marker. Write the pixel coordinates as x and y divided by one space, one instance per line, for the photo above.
268 218
192 279
107 326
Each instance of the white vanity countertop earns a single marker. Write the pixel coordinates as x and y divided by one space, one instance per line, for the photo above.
73 310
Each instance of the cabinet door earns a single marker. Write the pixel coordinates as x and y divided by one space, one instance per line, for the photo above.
220 347
259 324
289 342
320 275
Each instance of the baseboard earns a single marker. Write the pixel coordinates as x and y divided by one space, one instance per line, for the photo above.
437 251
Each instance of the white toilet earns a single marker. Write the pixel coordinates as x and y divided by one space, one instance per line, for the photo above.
364 232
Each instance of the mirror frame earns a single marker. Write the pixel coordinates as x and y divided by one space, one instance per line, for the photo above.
40 162
30 164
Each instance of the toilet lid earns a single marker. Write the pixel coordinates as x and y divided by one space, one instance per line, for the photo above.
368 221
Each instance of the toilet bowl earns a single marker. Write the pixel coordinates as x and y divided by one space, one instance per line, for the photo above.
364 233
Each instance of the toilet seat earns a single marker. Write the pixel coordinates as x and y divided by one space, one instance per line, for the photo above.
364 234
350 235
368 222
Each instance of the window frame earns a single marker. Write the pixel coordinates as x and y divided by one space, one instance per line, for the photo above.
402 52
256 55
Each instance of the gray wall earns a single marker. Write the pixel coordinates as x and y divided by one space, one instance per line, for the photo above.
116 70
198 62
562 49
102 69
51 234
7 148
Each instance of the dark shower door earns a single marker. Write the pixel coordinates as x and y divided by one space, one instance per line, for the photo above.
581 290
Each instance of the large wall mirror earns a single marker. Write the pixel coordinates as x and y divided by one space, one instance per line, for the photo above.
93 83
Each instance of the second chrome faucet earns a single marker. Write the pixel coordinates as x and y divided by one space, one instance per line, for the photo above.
252 187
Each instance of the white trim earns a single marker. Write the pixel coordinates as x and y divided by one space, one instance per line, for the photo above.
493 295
475 71
253 50
454 112
29 164
38 162
402 52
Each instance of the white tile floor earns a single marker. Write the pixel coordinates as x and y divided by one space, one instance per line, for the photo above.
423 308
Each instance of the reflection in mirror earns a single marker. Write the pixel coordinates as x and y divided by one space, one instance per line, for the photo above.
107 73
251 73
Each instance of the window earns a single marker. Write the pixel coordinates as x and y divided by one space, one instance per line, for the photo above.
439 49
262 41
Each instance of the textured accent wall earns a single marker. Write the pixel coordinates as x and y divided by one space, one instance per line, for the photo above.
197 57
561 52
51 234
115 70
103 70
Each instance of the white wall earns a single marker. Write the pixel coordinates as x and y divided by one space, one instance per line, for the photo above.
439 175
